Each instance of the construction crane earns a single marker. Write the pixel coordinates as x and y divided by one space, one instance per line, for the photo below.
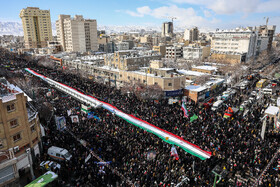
172 18
267 18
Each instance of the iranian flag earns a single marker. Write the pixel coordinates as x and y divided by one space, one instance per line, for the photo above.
85 108
174 153
166 136
184 108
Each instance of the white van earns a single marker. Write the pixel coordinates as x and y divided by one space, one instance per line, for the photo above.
267 91
58 153
217 105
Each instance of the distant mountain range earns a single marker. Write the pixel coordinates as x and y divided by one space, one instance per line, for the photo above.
11 28
15 28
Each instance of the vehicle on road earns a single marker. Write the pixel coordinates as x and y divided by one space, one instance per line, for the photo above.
50 165
262 83
208 104
217 105
267 91
58 153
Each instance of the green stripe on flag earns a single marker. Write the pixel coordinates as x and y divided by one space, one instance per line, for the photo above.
166 140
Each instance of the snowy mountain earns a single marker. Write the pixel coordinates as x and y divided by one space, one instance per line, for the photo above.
15 28
11 28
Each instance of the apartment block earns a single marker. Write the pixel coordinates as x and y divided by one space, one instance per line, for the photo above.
77 34
196 52
175 51
191 34
242 42
37 27
19 132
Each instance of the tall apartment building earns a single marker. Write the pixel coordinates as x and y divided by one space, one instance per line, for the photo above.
191 34
77 34
238 42
20 133
60 29
37 27
167 29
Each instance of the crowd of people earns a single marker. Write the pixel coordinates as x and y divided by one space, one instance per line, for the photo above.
235 143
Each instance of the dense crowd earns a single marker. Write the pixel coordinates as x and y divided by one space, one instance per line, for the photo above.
235 143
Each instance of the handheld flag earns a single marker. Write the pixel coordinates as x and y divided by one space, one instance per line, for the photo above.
194 117
174 153
184 108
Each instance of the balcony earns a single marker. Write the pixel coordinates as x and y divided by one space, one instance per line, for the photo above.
31 111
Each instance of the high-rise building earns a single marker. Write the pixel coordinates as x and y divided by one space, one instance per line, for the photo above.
60 29
20 132
191 34
167 29
77 34
37 27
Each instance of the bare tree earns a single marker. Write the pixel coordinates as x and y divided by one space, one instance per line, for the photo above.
144 92
43 61
202 79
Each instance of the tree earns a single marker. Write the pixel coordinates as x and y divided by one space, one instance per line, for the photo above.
202 79
144 92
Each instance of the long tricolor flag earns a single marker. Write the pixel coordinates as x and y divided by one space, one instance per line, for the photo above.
161 133
185 110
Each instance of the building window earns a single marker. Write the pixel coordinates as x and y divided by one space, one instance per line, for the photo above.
32 128
14 123
169 84
128 77
144 81
17 137
11 107
156 83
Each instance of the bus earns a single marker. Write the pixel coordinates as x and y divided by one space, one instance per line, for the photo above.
262 83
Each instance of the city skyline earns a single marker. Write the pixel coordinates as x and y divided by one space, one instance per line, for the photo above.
207 15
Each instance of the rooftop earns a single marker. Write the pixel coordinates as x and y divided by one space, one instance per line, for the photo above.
9 91
195 88
210 68
191 73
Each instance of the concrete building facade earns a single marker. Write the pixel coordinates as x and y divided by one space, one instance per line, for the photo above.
191 34
77 34
267 31
19 132
167 29
196 52
239 41
37 27
175 51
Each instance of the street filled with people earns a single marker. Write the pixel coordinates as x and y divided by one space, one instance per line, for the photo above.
235 143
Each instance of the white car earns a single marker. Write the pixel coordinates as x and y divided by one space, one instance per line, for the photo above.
50 165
